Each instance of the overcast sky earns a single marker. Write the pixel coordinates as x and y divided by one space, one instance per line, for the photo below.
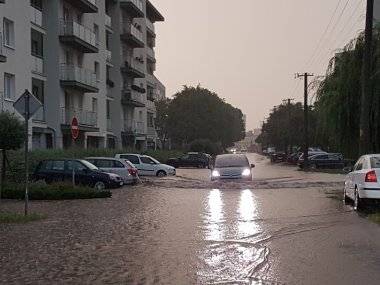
247 51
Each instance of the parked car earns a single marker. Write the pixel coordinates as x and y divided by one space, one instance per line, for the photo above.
310 153
232 166
362 182
191 159
121 167
84 172
278 157
327 161
148 166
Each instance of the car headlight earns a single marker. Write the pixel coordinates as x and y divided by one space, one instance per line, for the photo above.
215 173
246 172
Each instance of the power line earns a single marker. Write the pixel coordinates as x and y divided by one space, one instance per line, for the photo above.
324 33
334 27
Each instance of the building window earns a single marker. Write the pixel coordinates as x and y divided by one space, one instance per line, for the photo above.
9 33
9 86
96 32
94 105
150 120
108 110
96 68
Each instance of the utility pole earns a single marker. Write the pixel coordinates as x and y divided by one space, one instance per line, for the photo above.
306 118
365 145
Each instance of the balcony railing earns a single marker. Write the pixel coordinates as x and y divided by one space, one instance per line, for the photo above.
132 36
36 16
39 115
135 127
86 6
85 118
151 131
134 68
135 7
150 26
132 98
37 65
79 36
108 21
108 55
74 75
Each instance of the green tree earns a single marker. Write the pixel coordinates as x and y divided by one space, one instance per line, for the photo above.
11 137
162 107
197 113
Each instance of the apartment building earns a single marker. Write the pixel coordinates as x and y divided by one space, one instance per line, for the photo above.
83 59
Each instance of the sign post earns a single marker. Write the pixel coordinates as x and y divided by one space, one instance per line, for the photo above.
74 136
27 105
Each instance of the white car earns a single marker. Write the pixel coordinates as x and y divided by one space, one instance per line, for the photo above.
232 166
362 182
148 166
121 167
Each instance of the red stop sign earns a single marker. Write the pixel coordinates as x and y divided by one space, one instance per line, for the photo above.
74 128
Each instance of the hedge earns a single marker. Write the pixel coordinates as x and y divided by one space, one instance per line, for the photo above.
42 191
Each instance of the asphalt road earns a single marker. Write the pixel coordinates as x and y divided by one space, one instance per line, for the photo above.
286 227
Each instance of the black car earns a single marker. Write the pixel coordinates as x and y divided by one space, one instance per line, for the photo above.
85 173
327 161
191 159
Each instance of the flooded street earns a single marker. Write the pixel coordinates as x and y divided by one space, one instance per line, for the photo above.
286 227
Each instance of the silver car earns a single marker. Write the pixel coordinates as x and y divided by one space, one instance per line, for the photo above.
122 167
232 166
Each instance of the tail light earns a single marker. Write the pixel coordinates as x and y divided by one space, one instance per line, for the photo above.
132 171
371 176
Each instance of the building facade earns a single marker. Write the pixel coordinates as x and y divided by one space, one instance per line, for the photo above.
92 60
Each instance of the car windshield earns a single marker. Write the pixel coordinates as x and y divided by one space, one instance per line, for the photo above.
231 161
375 162
89 165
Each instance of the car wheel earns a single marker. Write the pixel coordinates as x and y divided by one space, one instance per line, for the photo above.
346 199
99 186
161 173
358 202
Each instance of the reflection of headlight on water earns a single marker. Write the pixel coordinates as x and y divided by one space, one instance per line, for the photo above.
215 173
246 172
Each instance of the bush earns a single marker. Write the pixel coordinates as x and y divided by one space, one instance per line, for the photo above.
207 146
42 191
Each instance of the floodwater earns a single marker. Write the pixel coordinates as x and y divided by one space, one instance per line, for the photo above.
286 227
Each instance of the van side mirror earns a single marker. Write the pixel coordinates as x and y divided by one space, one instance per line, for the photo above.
253 166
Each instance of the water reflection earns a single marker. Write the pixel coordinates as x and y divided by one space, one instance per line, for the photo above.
215 216
247 214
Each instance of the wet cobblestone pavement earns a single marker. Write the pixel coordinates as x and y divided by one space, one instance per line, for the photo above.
283 228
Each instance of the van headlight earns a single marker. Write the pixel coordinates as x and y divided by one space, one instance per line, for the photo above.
215 173
246 172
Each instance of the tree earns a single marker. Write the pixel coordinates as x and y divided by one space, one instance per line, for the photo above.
162 107
11 137
197 113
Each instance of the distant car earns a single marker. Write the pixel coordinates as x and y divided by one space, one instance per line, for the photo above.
363 182
191 159
278 157
326 161
310 153
148 166
121 167
85 173
232 166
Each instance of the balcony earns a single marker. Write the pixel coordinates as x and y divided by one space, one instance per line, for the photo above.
151 132
78 78
108 21
152 13
79 37
86 6
3 58
133 7
108 56
87 120
36 16
39 116
150 105
37 65
133 68
138 88
132 36
150 28
133 127
151 56
132 98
